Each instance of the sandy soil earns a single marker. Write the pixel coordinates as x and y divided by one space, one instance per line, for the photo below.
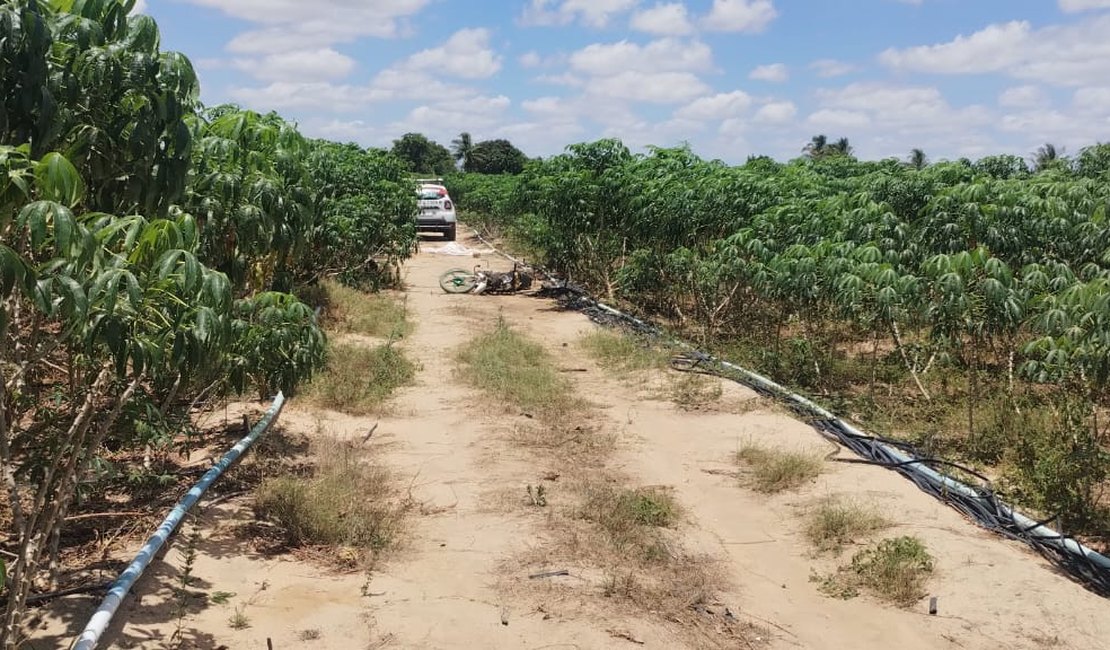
457 584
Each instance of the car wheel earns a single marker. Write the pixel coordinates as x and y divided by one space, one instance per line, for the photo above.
449 234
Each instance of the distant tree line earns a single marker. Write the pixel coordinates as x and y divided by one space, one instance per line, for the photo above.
425 156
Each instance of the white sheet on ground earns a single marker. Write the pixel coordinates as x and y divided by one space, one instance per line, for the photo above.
455 248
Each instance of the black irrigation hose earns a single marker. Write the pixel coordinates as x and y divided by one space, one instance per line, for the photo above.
978 502
982 506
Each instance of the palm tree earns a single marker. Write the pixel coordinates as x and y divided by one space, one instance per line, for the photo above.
918 160
816 147
841 148
1045 156
462 148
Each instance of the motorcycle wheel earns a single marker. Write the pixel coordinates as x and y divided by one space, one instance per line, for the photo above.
457 281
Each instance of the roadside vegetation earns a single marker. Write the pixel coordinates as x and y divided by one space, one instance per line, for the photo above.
959 305
632 357
833 523
771 470
349 310
150 247
342 501
360 380
518 372
593 520
895 570
361 376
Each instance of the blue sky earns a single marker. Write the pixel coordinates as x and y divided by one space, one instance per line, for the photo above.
731 77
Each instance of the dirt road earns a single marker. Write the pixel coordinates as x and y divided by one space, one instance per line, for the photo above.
461 580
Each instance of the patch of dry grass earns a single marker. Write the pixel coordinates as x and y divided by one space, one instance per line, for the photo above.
777 470
378 315
516 371
693 392
359 380
834 523
625 541
624 352
344 501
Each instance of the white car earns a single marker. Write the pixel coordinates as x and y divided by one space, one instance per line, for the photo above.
437 211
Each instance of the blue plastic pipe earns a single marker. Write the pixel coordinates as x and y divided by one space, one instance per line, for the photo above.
103 615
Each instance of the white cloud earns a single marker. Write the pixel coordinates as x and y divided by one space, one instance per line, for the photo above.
530 60
316 96
776 113
1022 96
669 19
1075 6
990 49
306 65
1092 100
827 68
564 79
751 16
652 87
295 24
466 55
716 107
1073 54
775 72
325 97
912 109
139 8
594 13
838 119
665 54
469 114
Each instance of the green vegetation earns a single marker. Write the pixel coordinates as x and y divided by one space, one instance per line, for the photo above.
423 156
345 501
510 368
239 620
833 523
959 304
351 310
894 570
627 518
148 245
775 470
624 352
359 380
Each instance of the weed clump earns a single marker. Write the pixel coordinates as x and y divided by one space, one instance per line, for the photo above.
345 502
834 523
895 570
623 352
359 380
774 470
370 314
517 371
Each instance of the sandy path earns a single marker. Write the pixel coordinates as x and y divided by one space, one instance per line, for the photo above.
446 589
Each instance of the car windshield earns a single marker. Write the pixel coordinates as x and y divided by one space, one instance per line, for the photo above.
429 194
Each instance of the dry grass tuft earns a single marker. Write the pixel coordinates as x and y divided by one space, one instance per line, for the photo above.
345 502
370 314
628 519
693 392
624 352
510 368
834 523
360 380
775 470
